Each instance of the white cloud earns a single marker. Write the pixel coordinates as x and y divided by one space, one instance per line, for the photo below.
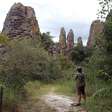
52 14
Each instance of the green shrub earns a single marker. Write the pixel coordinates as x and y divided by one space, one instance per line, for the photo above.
98 87
3 39
27 61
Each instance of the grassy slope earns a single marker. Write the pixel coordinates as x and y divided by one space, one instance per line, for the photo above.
62 87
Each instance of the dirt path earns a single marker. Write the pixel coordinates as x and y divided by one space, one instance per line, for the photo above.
61 103
51 102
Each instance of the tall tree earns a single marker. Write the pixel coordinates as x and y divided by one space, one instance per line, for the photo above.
46 40
105 7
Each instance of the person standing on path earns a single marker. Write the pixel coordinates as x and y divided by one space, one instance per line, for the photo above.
80 86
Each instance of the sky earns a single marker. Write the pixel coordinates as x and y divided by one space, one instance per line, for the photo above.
54 14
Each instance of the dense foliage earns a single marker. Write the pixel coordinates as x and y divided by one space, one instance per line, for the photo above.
25 61
46 40
3 39
79 54
28 60
99 71
105 7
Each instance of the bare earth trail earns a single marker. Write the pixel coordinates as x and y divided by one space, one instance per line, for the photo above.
60 103
51 102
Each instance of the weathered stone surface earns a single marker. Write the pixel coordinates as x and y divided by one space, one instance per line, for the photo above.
21 22
79 41
95 29
2 49
70 40
62 38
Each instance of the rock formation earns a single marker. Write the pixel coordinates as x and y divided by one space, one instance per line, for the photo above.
70 40
95 29
62 39
2 49
79 41
21 22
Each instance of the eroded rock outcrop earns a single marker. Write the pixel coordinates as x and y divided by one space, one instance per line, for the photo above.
62 40
70 40
95 29
21 22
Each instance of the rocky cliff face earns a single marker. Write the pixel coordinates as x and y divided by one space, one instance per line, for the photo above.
70 40
95 29
21 22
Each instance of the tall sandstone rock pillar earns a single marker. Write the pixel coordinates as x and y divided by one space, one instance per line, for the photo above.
95 29
62 40
21 22
70 40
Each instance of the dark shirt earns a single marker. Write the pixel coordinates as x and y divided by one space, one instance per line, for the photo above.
80 79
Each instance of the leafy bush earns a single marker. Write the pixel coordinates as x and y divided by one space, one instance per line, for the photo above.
101 100
66 66
46 40
99 84
3 39
79 54
27 61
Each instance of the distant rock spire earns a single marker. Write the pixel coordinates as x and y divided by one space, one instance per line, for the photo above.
79 41
62 39
70 40
95 29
